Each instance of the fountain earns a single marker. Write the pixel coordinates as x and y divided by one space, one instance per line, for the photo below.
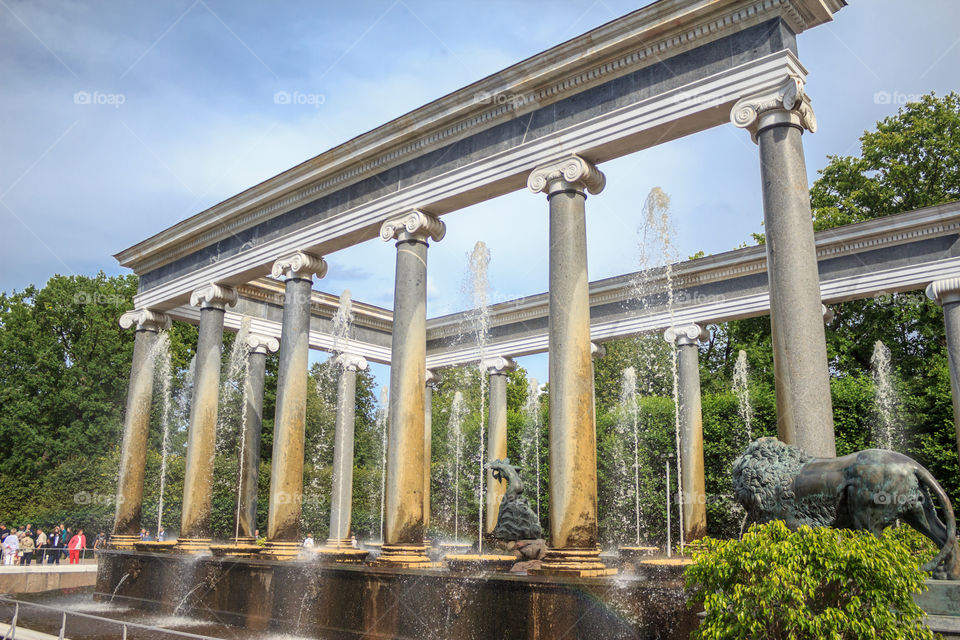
886 434
380 436
530 437
627 496
740 389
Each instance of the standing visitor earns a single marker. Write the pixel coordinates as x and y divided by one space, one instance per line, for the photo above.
75 545
144 535
54 554
66 534
11 546
100 542
26 550
308 541
41 544
161 535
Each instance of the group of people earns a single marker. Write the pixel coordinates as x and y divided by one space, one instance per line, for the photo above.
146 536
23 545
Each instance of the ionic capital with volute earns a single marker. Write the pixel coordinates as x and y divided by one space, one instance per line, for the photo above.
214 296
787 103
944 291
570 174
685 334
258 343
415 225
145 320
351 362
300 265
498 365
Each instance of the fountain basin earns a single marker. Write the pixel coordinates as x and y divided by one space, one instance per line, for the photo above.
472 562
155 545
348 601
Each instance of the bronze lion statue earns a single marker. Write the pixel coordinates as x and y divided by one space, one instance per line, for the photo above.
868 490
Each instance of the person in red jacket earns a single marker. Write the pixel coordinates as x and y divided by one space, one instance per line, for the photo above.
77 543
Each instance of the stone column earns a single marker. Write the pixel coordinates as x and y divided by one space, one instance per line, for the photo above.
946 293
249 471
497 369
286 467
202 436
776 120
341 500
694 498
404 514
431 380
136 425
573 449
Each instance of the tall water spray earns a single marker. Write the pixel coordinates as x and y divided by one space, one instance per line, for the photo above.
383 414
454 453
479 262
163 373
530 436
342 321
742 391
657 257
886 433
630 404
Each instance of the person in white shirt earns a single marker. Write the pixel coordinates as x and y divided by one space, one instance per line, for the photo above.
308 541
11 545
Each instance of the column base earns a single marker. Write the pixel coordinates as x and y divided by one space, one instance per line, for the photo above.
122 541
193 545
405 556
573 562
341 550
281 549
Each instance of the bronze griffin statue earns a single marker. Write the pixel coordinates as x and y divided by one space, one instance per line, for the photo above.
516 520
867 490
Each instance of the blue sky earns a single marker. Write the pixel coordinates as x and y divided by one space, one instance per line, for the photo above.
181 115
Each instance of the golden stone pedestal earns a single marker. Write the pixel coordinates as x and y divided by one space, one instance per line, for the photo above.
120 541
281 549
242 547
572 562
193 545
405 556
341 550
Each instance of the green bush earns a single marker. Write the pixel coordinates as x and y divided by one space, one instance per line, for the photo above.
811 583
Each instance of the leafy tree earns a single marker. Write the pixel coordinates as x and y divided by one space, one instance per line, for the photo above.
812 583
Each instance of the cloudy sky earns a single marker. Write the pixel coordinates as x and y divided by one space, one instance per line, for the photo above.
119 119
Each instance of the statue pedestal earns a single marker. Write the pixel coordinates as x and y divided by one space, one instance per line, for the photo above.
941 602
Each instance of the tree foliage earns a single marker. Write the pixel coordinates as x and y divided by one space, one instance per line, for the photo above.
811 583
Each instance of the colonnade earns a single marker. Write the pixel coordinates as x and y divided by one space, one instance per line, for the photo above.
775 121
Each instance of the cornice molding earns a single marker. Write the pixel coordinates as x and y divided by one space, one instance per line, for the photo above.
415 225
145 320
634 41
603 137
